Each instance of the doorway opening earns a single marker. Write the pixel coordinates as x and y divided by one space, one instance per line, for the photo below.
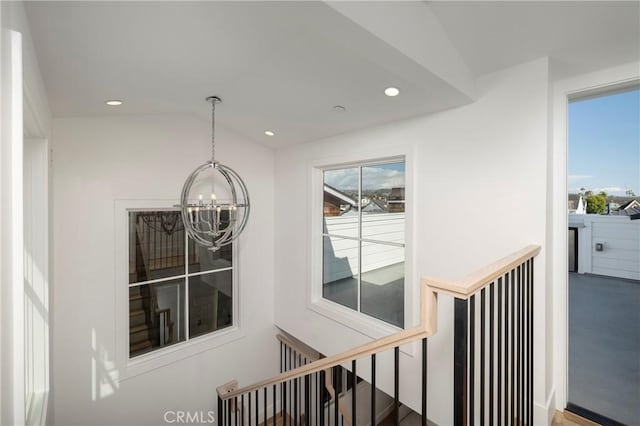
603 184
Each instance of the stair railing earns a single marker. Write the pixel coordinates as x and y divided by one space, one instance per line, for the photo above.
507 400
493 345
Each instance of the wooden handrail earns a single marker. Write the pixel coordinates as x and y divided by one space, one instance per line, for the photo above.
476 281
430 287
297 347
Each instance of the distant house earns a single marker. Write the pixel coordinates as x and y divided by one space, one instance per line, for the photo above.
336 203
631 208
395 202
374 206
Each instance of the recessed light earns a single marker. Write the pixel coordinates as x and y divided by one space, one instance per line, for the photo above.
391 91
339 108
113 102
269 133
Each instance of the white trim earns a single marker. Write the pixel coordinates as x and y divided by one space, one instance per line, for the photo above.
545 412
141 364
564 89
362 323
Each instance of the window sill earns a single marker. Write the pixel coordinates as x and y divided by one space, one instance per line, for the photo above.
359 322
174 353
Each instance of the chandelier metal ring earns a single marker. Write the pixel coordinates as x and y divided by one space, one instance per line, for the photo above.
215 223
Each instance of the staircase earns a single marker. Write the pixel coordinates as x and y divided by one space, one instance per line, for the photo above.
493 363
142 332
149 326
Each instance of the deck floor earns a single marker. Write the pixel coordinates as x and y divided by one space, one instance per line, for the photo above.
381 295
604 346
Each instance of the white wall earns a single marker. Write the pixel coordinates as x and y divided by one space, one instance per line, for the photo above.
478 192
620 237
341 256
99 160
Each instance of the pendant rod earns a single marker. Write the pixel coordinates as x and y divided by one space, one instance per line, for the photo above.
213 100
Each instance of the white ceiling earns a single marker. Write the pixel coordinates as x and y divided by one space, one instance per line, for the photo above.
579 36
284 65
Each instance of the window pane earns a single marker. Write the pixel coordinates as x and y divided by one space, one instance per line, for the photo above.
156 316
201 259
156 245
340 271
210 302
383 202
341 192
382 284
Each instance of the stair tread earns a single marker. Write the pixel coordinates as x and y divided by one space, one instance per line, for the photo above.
139 346
135 313
138 328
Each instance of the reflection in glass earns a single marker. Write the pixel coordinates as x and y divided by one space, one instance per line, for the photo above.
340 271
341 192
383 202
382 284
210 302
156 316
201 259
156 245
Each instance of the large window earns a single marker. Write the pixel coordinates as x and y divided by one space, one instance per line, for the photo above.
363 239
178 290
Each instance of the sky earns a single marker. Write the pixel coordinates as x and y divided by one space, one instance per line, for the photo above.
604 144
381 176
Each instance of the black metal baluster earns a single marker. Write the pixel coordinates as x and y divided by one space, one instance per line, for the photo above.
373 389
224 412
491 350
513 353
472 359
531 352
307 401
522 353
460 370
396 385
354 388
235 410
299 380
482 354
424 382
229 412
284 389
242 410
507 282
264 396
295 401
273 402
518 418
257 407
249 414
335 373
499 350
522 347
525 318
220 410
322 396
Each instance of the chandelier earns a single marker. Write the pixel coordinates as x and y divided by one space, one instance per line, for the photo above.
214 202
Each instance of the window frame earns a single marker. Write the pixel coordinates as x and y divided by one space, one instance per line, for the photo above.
358 321
130 367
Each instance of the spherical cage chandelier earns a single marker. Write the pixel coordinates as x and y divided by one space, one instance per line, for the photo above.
214 201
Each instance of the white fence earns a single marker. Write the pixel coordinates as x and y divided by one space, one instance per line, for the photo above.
341 254
620 239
